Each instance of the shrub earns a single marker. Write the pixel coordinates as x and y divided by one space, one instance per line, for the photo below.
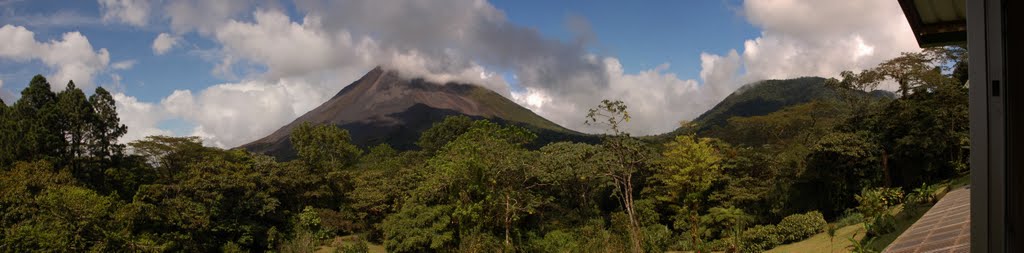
760 238
359 246
923 195
595 238
554 241
801 226
892 196
481 242
881 225
419 228
657 237
719 245
875 204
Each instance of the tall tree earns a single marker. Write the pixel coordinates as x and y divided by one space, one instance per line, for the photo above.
623 159
490 175
689 168
839 165
76 114
105 128
576 182
38 122
169 156
905 70
328 155
927 132
930 115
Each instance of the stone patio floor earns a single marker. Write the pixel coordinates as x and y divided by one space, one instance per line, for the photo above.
946 227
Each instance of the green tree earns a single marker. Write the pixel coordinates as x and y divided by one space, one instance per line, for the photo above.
927 132
8 135
382 183
689 168
623 158
42 209
926 126
324 147
38 122
839 165
576 181
434 138
21 184
224 197
73 218
733 220
490 175
169 156
76 116
106 128
921 135
419 228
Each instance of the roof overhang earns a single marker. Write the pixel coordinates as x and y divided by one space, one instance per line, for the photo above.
937 22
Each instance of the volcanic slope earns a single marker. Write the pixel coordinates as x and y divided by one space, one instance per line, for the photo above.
384 107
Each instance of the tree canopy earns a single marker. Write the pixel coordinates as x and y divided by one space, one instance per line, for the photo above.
732 181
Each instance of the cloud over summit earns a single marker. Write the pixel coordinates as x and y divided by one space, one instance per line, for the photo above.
302 59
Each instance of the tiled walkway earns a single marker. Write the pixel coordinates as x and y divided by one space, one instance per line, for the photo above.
946 227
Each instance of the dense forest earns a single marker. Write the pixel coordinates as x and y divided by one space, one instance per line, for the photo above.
743 184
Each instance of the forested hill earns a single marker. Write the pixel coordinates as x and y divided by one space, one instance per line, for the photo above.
756 99
764 97
386 107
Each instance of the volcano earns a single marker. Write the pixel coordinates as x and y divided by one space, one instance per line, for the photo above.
384 107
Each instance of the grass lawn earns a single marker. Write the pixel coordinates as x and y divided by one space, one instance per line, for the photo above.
904 219
822 243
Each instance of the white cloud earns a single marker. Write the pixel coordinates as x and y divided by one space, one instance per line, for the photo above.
800 38
141 118
72 57
823 38
132 12
123 65
271 40
164 42
285 47
657 100
224 113
335 42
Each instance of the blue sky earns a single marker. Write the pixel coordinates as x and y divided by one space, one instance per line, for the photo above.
279 59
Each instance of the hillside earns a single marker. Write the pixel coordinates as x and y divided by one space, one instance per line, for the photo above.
764 97
383 107
756 99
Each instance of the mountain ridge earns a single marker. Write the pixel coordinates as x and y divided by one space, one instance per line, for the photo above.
384 107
